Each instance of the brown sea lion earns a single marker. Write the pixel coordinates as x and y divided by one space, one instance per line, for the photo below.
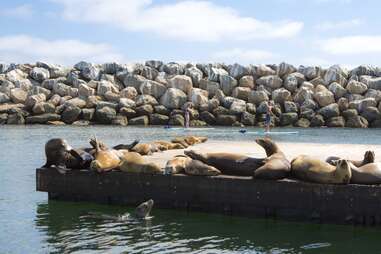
145 149
228 163
369 157
369 173
310 169
165 145
276 166
176 165
189 140
106 159
134 163
184 164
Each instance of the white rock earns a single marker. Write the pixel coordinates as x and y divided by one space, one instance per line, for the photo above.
173 98
182 82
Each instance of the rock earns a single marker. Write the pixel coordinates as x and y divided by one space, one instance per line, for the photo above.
356 122
88 70
208 117
16 118
281 95
18 95
154 64
374 83
197 123
337 122
160 109
61 89
303 123
220 111
176 120
158 119
5 108
3 118
271 82
106 86
119 120
331 110
105 115
146 99
113 97
42 119
172 69
310 72
375 94
237 71
102 104
343 104
88 114
111 68
133 80
376 124
153 88
182 82
307 113
141 120
238 107
364 70
70 114
371 114
284 69
226 120
241 93
213 104
149 73
227 84
124 102
356 87
349 113
360 105
288 118
173 98
4 98
40 90
210 86
256 97
335 74
309 85
85 91
247 81
129 93
215 73
39 74
337 90
248 119
195 74
128 112
198 97
302 95
43 107
76 102
291 83
290 107
317 121
144 110
262 70
15 75
6 86
324 98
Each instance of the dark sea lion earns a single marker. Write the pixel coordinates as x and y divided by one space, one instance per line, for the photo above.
228 163
133 162
310 169
141 212
369 157
276 166
78 159
126 146
369 173
57 151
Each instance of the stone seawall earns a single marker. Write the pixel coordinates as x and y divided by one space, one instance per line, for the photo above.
156 93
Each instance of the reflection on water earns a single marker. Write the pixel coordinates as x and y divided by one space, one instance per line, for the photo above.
31 224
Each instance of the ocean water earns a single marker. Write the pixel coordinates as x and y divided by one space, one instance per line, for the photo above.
29 223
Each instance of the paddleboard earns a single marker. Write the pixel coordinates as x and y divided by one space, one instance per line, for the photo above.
189 129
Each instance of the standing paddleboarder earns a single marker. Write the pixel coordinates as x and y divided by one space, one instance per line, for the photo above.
268 116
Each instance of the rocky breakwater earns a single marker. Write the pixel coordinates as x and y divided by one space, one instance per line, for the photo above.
156 93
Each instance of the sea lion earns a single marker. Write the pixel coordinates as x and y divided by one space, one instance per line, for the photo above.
105 159
369 173
176 165
145 149
369 157
184 164
78 159
307 168
133 162
142 212
189 140
276 166
165 145
128 147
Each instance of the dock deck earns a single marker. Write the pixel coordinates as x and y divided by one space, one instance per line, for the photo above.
229 195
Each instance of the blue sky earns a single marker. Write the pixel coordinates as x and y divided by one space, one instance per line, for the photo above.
322 32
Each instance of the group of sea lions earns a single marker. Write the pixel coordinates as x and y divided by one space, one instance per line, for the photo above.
274 166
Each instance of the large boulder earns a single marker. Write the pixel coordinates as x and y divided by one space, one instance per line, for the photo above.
247 81
356 122
61 89
256 97
290 106
106 86
271 82
128 103
317 120
149 73
158 119
210 86
18 95
176 120
4 98
85 91
105 115
154 64
237 71
120 120
182 82
281 95
337 89
39 74
360 105
198 97
208 117
195 74
303 123
88 114
227 84
173 98
356 87
238 107
144 110
129 93
215 73
262 70
241 93
42 119
70 114
226 120
133 80
172 68
153 88
15 118
337 122
248 119
141 120
374 83
331 110
76 102
288 118
310 72
324 98
145 99
88 70
335 74
284 69
290 83
371 114
302 95
43 107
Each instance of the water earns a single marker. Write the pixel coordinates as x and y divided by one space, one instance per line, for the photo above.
29 223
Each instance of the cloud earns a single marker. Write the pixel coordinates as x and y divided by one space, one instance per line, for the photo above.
21 11
351 45
244 56
327 25
185 20
24 48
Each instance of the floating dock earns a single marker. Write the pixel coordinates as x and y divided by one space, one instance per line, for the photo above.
229 195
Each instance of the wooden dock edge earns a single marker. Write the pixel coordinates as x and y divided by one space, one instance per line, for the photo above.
229 195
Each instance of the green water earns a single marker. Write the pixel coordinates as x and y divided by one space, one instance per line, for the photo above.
29 223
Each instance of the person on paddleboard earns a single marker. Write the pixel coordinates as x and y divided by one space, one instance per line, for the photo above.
268 116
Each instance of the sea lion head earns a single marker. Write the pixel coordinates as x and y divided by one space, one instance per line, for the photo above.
56 151
267 144
144 209
343 169
369 157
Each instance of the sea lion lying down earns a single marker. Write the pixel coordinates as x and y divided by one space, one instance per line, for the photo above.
189 166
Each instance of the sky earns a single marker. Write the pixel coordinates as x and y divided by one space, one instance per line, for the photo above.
300 32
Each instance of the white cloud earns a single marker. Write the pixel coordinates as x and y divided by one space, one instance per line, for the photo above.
244 56
186 20
21 11
351 45
23 48
328 25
